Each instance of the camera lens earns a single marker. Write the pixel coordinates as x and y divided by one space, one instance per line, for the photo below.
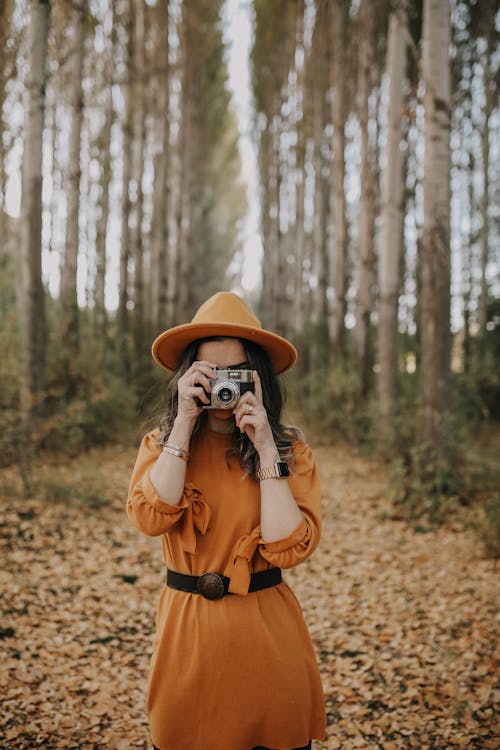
225 394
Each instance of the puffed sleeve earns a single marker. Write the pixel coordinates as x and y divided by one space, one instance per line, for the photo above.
305 486
295 548
150 514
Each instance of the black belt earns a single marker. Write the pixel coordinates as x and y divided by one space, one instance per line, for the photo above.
215 586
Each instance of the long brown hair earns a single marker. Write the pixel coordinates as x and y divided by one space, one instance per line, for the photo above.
272 396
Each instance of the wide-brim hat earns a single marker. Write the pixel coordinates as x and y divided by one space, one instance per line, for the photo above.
224 314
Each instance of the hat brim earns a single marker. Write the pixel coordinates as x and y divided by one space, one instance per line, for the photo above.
168 347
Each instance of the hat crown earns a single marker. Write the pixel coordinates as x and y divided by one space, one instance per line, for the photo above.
226 307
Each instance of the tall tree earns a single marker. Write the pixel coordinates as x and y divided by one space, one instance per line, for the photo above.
32 301
206 153
127 177
489 63
138 149
338 251
391 240
162 164
104 151
271 66
6 68
435 247
364 296
70 332
318 79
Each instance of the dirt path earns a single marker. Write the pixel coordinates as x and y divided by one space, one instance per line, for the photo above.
405 624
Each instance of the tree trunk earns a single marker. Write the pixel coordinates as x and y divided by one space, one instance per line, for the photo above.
280 275
490 99
364 297
435 248
392 226
32 301
104 146
5 22
123 318
70 333
138 143
161 195
298 302
338 253
319 83
265 158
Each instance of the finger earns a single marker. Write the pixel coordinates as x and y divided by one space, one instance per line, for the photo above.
194 392
207 368
258 386
247 420
197 378
244 407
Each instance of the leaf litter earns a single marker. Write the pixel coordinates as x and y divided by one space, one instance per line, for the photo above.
405 624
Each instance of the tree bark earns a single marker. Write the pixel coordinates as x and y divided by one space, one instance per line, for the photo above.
123 317
391 249
490 100
435 248
104 146
70 333
161 195
364 297
138 145
338 242
32 297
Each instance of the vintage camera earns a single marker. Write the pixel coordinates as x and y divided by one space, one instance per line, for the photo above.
228 387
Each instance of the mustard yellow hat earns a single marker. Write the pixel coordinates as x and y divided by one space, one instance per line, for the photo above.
224 314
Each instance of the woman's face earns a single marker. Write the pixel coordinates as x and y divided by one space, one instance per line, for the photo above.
225 353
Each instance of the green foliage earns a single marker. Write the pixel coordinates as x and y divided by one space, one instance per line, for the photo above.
489 529
88 492
99 414
425 484
330 404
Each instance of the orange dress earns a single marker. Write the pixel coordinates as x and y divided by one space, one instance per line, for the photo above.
240 671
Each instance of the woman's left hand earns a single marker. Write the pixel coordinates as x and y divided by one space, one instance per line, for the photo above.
251 418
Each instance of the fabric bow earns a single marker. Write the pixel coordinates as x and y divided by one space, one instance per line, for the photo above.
238 568
196 518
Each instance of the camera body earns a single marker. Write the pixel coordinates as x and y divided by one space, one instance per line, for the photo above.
227 388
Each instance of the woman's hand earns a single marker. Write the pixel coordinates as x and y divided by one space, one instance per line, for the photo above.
251 418
193 385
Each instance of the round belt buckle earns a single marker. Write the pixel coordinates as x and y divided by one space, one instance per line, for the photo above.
211 586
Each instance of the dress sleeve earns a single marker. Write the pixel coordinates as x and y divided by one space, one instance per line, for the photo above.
151 515
305 486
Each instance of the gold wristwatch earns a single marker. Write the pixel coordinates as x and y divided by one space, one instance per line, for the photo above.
279 470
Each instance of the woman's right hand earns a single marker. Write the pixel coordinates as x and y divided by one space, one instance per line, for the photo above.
193 386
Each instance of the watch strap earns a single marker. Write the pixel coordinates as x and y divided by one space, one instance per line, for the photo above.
279 470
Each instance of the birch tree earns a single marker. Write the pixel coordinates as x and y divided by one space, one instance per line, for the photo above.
435 247
32 301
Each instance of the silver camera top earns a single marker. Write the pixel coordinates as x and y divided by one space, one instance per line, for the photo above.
227 388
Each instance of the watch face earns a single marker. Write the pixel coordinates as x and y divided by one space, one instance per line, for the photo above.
282 469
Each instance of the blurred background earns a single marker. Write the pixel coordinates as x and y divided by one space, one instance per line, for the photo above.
335 162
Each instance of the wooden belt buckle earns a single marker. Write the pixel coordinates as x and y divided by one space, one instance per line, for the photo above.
211 586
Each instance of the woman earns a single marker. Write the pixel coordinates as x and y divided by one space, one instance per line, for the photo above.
235 497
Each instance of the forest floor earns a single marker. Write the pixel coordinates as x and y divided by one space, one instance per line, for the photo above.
405 621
